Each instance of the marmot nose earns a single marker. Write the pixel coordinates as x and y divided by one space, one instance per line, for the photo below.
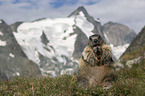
95 40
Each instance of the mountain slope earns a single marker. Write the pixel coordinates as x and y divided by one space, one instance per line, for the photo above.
62 34
138 42
135 53
137 46
118 36
13 61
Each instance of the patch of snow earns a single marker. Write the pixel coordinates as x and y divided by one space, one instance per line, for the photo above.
98 20
1 34
11 55
84 24
50 73
36 55
106 37
16 74
67 71
129 63
119 50
0 21
3 43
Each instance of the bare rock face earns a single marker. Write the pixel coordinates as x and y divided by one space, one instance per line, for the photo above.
81 42
118 34
15 26
13 61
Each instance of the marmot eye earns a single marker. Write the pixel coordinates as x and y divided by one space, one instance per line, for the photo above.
90 38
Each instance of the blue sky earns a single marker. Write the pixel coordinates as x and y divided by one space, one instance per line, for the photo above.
128 12
59 3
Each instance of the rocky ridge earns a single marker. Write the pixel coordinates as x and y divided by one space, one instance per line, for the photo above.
13 61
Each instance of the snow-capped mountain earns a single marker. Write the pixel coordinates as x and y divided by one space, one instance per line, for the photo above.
95 22
52 43
57 44
13 61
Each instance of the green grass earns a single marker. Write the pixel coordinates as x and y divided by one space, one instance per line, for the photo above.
130 82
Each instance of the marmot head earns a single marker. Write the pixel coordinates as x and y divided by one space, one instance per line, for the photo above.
95 40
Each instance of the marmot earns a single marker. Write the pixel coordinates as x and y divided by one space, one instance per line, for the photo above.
95 67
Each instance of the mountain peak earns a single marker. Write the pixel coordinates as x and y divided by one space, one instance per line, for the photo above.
97 25
79 9
2 21
15 25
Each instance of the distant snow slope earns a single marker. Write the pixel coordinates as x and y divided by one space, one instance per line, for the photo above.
118 50
29 37
56 55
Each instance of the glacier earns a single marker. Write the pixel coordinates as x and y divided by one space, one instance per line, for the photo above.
60 34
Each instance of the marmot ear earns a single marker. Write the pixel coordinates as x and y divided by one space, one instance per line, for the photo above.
99 37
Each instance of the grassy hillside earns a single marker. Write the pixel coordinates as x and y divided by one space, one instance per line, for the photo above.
130 82
134 54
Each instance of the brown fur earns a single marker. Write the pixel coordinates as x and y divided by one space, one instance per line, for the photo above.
92 76
93 59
